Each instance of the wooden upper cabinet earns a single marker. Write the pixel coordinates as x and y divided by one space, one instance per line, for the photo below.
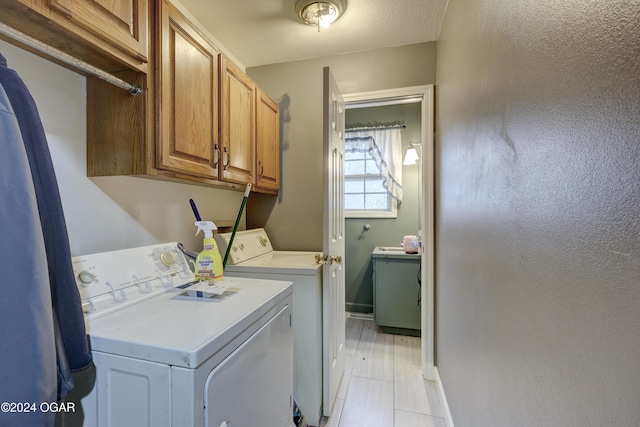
237 124
109 34
200 119
268 143
123 23
188 82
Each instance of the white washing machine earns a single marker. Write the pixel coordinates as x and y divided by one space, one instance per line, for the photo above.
166 358
252 256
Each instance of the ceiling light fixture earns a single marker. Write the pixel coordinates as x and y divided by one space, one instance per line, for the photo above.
320 13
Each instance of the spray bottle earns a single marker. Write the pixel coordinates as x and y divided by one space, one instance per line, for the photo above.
208 262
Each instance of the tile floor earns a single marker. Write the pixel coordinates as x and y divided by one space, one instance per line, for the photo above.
382 384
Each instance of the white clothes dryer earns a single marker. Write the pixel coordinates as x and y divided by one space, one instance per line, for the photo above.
166 358
252 256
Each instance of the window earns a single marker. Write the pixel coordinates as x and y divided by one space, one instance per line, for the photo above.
365 194
373 172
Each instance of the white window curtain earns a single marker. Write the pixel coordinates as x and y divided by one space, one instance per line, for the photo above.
385 146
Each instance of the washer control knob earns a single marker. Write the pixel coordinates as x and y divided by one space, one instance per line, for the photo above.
167 258
263 241
86 277
234 248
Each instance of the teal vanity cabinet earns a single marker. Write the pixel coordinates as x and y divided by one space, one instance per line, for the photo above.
396 290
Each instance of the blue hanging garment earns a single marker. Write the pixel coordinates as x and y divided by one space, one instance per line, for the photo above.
69 329
28 356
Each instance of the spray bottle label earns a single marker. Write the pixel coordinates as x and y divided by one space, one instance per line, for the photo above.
205 268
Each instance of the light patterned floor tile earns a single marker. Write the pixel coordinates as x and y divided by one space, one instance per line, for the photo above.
434 404
336 412
382 385
353 334
369 403
374 358
346 376
411 419
411 392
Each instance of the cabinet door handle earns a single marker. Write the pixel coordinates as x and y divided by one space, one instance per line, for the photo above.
217 162
228 158
261 169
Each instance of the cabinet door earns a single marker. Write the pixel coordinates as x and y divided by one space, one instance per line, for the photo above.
397 293
188 98
268 143
237 127
122 23
105 33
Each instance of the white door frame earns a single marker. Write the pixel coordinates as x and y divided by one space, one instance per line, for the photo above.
397 96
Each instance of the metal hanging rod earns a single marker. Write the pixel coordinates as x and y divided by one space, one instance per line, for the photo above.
380 127
68 59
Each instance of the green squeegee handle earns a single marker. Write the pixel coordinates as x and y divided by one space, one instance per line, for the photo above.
235 227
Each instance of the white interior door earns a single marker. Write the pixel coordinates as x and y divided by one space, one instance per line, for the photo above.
333 293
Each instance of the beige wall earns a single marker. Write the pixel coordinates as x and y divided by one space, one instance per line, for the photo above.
294 219
109 213
538 212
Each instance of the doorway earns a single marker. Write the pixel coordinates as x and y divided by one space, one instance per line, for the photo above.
421 99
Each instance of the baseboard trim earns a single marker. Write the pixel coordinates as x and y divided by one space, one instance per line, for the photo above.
443 398
363 316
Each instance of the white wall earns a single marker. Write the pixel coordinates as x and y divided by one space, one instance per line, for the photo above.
109 213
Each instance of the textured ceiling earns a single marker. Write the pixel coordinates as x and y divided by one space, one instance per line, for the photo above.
260 32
